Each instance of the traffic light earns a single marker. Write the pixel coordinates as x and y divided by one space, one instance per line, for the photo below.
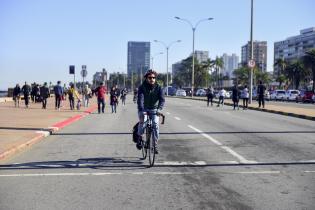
71 69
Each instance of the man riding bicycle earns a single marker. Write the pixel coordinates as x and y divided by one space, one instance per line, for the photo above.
150 102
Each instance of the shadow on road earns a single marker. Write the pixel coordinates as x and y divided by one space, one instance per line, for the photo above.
184 133
130 163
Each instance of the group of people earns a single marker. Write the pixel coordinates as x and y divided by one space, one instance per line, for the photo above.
237 94
115 93
41 93
37 93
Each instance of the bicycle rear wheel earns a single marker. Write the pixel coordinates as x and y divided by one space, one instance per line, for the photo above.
151 148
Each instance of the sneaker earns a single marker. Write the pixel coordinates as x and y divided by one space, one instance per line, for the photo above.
156 150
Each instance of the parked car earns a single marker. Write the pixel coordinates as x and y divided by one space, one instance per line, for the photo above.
291 95
171 91
228 94
180 92
278 95
305 96
201 92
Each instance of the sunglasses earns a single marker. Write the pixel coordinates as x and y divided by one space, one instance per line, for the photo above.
151 77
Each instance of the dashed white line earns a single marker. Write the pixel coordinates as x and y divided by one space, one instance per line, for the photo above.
229 150
177 118
205 135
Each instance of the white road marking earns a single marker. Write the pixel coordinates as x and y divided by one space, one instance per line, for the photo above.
257 172
229 150
235 154
46 133
168 113
177 118
205 135
309 171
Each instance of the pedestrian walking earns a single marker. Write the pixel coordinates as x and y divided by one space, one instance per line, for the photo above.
71 94
100 92
245 96
44 94
113 98
58 95
37 93
33 92
222 93
210 93
26 89
17 95
235 97
86 95
261 94
123 96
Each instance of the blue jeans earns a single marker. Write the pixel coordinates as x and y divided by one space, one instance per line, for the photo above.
100 101
114 107
143 119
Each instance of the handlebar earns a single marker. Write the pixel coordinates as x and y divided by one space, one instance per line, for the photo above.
158 114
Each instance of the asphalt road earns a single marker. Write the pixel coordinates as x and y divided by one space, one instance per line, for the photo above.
210 158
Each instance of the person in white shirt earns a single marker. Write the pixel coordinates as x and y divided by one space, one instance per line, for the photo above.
245 96
222 93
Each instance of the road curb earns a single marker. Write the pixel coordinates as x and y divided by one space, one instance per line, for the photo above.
259 109
43 134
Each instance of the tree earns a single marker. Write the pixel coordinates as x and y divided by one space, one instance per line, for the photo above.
309 63
241 75
296 73
281 64
218 64
262 76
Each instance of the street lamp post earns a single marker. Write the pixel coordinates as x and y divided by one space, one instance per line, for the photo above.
251 54
167 47
152 57
193 53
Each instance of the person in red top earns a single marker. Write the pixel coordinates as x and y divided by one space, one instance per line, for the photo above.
100 92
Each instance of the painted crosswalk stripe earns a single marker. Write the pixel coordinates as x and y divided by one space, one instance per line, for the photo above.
177 118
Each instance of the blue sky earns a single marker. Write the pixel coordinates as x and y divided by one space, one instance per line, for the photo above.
39 39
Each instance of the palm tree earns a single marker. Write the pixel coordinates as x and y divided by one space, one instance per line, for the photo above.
296 73
309 63
281 64
241 75
218 64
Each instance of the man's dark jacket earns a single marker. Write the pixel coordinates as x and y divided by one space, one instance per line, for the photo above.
150 97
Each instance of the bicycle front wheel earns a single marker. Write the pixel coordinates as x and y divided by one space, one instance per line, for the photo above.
144 146
151 148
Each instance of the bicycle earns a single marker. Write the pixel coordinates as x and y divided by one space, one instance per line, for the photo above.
148 144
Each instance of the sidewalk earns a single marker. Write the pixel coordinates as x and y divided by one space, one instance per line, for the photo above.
302 113
21 127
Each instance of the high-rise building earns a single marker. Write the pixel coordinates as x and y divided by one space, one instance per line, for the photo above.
201 56
260 54
138 60
294 47
230 63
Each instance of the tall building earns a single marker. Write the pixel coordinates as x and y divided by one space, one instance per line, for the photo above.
260 54
230 63
99 77
294 47
201 56
138 60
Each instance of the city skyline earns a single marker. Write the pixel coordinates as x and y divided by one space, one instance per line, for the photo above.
40 40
